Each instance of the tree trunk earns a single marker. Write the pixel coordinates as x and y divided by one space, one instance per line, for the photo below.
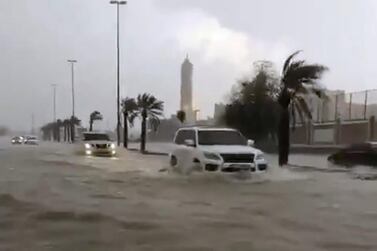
284 137
69 133
143 132
58 134
125 130
283 130
90 125
72 132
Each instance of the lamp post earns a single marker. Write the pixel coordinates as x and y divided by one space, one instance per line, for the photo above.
54 102
118 3
72 61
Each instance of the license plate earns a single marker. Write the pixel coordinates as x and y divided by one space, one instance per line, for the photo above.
243 167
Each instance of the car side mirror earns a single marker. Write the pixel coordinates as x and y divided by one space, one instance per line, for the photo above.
189 143
250 142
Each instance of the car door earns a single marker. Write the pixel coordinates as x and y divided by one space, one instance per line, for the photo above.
185 154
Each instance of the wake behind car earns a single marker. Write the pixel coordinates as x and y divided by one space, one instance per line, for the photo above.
18 140
215 150
97 143
31 140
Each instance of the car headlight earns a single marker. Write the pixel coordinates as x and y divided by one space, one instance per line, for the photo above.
213 156
88 146
260 157
112 146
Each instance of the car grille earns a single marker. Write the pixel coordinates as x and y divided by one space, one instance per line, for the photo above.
238 158
102 146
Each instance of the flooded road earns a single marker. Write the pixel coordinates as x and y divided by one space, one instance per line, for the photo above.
51 199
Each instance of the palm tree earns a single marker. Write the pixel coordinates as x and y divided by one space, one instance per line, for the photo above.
181 116
59 124
66 125
149 108
298 79
48 131
45 132
129 107
73 122
96 115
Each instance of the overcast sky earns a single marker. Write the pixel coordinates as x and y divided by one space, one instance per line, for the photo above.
222 39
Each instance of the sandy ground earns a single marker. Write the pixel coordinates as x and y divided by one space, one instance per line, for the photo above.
52 199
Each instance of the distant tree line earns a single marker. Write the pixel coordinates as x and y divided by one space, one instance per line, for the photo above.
51 131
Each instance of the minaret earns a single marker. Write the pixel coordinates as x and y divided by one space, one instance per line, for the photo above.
186 89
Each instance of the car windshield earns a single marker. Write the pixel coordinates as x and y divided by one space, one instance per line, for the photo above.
96 136
221 138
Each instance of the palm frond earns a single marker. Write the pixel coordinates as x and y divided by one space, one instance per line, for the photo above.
132 117
96 115
181 116
129 105
297 75
288 61
154 122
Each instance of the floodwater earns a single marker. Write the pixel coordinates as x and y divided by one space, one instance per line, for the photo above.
51 199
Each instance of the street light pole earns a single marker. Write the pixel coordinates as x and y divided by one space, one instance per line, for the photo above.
54 100
118 3
72 61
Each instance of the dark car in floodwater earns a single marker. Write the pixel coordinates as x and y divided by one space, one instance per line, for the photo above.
358 154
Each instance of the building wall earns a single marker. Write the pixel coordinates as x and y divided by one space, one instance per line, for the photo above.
343 133
298 136
323 133
354 132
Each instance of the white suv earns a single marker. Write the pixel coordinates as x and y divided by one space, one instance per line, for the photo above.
97 143
215 149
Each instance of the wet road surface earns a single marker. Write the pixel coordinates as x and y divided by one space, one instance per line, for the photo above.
52 199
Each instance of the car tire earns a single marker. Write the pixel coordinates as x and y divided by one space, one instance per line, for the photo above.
173 161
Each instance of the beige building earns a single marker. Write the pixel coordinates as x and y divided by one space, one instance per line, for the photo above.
187 90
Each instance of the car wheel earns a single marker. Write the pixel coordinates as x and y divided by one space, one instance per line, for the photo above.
173 161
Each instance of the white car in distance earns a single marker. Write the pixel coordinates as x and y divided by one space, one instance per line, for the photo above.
215 150
31 140
98 143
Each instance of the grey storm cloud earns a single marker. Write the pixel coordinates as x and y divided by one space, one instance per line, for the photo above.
222 39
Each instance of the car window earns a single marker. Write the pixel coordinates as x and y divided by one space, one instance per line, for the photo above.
208 137
184 135
96 136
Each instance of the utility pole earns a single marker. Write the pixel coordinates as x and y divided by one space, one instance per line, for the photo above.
118 3
32 124
72 61
54 102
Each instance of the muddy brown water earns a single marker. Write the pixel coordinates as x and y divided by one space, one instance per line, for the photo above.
61 202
